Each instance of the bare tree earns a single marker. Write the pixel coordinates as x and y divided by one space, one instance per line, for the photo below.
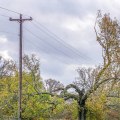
54 86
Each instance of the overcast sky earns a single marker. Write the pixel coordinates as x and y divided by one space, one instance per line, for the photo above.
73 23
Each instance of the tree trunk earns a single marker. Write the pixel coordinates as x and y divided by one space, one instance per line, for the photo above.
82 110
82 114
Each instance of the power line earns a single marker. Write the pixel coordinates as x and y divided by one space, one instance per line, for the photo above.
35 46
12 11
59 40
9 10
47 43
9 33
53 35
4 16
28 30
37 49
52 46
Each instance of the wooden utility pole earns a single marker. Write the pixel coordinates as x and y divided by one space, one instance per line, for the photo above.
20 20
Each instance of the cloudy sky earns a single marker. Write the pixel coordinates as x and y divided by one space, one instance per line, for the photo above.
61 33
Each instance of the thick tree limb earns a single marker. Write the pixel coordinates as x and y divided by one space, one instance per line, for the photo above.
72 86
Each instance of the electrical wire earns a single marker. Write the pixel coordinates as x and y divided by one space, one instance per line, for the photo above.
44 40
51 34
37 50
9 33
4 16
12 11
9 10
34 45
59 40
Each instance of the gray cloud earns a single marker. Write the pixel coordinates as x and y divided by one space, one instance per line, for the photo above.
72 20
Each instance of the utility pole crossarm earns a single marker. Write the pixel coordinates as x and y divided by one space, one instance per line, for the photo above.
20 20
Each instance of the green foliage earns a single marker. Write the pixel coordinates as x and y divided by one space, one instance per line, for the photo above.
96 106
36 104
